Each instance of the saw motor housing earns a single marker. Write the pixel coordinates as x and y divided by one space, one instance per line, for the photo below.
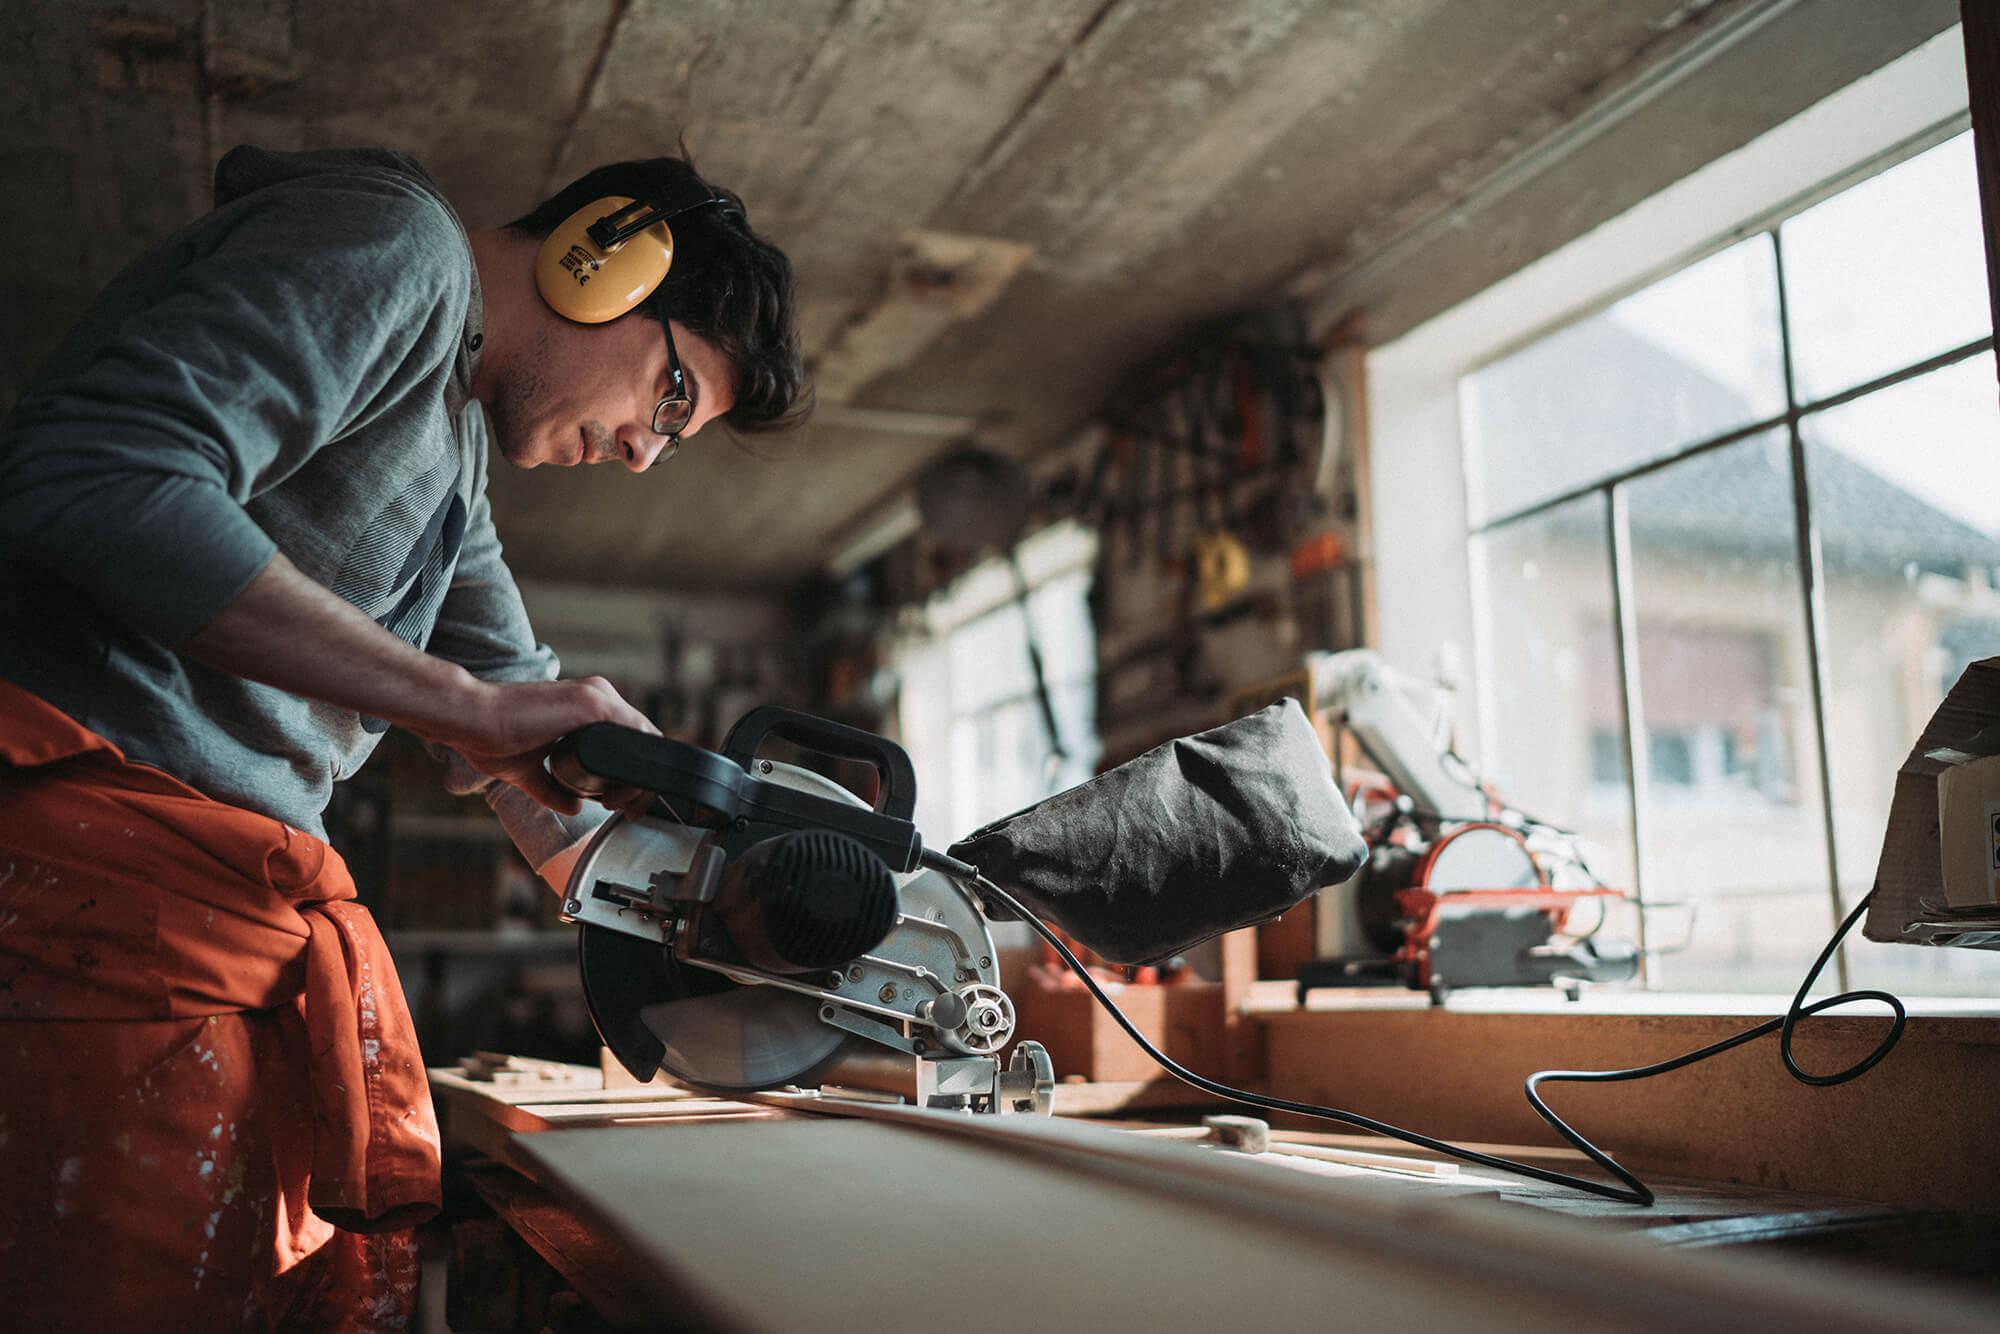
760 920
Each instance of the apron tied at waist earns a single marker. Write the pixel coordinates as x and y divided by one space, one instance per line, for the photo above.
127 895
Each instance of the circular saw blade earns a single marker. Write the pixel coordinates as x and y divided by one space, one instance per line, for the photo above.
656 1013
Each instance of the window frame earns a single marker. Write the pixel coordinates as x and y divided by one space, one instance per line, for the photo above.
1063 551
1416 426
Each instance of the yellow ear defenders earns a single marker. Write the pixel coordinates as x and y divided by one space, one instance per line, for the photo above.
607 257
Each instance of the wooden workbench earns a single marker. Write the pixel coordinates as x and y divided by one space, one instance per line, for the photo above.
655 1208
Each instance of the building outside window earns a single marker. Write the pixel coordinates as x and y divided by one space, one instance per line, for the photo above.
1731 539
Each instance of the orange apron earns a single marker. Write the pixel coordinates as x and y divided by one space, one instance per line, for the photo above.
206 1063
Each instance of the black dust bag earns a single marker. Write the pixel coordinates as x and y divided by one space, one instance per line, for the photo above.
1220 830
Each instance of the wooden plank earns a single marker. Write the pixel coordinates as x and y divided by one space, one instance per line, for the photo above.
1688 1214
587 1082
471 1122
1279 1151
1092 1228
484 1117
1680 1202
1938 1248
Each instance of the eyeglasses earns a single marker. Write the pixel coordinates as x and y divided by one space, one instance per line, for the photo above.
672 414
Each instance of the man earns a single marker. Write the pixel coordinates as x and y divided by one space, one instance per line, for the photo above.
244 529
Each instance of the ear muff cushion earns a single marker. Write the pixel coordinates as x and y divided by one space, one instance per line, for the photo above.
592 286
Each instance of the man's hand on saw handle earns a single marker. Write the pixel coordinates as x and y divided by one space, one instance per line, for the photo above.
288 631
509 735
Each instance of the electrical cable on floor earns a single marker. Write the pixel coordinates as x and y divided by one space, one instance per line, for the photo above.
1634 1191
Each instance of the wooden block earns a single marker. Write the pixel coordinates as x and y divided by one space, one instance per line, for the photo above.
1288 942
1242 1036
1185 1020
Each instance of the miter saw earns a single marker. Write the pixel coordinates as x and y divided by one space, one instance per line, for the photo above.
759 923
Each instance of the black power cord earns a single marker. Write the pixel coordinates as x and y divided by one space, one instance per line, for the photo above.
1633 1191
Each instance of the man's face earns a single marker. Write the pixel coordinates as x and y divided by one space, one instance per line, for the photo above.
585 393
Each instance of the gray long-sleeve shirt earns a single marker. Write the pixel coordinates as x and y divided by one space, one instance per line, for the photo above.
288 373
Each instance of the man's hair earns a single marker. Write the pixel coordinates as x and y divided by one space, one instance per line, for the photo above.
727 284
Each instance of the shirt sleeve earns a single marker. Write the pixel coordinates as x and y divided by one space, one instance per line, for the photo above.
224 360
483 627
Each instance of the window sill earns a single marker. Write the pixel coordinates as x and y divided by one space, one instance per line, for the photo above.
1913 1131
1269 997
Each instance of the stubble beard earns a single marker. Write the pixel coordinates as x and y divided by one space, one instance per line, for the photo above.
518 409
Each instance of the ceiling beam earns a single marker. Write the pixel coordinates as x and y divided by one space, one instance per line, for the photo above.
1337 295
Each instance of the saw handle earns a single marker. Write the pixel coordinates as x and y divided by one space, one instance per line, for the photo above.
898 795
603 757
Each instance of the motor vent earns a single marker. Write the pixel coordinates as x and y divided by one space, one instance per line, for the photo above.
807 901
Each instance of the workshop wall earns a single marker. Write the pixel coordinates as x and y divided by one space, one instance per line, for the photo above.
1224 491
694 662
1223 488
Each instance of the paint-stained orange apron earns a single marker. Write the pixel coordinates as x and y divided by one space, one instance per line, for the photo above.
213 1113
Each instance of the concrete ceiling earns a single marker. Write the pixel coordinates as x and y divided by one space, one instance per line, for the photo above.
999 212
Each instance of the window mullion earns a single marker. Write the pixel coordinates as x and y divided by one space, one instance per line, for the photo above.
1812 590
1625 622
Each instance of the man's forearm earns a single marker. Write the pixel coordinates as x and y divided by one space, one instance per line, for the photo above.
288 631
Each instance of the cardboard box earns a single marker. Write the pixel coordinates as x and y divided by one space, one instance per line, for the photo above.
1913 904
1969 831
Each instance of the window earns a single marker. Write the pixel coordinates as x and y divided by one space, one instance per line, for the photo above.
1647 488
970 716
